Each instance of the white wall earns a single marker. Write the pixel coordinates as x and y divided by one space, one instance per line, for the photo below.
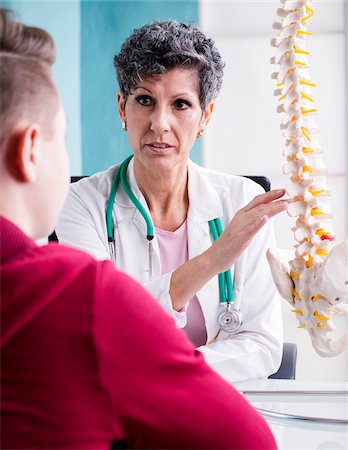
244 135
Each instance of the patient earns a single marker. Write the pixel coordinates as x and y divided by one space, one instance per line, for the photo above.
87 356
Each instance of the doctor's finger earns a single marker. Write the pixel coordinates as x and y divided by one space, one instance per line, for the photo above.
274 208
267 197
250 221
253 220
269 210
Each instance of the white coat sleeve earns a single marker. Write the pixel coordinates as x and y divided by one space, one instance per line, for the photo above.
159 288
255 350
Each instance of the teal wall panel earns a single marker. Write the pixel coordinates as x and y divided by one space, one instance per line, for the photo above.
62 20
104 27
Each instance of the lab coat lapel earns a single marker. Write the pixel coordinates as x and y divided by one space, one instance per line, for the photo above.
204 201
204 205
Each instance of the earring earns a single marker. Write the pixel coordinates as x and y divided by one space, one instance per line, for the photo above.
124 126
200 134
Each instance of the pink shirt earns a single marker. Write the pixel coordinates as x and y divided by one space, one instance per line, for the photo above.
173 247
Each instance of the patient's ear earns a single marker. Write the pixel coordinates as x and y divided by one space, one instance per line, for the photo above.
281 273
24 154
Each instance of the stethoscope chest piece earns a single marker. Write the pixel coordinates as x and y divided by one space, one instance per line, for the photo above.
230 319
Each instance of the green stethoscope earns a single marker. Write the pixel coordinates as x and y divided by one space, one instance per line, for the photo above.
230 318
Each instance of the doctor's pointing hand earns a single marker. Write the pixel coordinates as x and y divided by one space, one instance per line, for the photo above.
195 238
226 250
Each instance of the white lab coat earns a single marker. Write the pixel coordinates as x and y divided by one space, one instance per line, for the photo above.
255 350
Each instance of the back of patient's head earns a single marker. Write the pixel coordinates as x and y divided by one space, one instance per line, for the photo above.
33 160
28 94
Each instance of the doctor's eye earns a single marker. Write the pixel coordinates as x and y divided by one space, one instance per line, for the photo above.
182 104
144 100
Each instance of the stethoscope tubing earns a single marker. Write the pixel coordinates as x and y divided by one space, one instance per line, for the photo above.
110 205
225 278
123 176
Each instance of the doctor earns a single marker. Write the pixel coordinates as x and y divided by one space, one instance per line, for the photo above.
158 214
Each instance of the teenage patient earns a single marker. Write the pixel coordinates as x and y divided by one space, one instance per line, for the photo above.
88 358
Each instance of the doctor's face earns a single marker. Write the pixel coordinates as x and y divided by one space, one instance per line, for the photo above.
163 116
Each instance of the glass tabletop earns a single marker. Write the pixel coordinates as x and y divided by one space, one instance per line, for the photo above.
324 403
293 411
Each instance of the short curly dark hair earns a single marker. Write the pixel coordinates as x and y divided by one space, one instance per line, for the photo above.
156 48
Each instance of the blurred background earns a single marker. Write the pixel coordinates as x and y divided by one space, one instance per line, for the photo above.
243 136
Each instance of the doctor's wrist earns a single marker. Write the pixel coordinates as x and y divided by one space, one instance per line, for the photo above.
216 261
189 278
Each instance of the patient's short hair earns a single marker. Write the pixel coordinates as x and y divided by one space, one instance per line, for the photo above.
27 91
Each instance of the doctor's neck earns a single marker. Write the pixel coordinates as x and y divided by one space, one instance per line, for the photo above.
166 194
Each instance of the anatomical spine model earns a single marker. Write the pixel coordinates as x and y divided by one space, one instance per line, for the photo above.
315 282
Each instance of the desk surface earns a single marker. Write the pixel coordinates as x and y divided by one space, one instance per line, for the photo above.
278 400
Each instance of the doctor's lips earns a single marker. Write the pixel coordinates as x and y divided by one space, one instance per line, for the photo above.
159 147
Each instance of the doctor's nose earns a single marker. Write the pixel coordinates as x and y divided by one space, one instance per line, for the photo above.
160 121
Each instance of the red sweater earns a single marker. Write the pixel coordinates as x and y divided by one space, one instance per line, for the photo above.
88 357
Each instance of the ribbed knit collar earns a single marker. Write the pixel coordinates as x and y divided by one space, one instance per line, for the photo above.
12 240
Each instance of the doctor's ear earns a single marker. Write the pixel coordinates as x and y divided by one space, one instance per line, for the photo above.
23 155
207 114
121 106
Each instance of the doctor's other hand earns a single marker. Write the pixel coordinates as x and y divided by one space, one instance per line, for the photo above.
244 226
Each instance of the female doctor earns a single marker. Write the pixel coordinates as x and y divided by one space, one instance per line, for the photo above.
160 217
